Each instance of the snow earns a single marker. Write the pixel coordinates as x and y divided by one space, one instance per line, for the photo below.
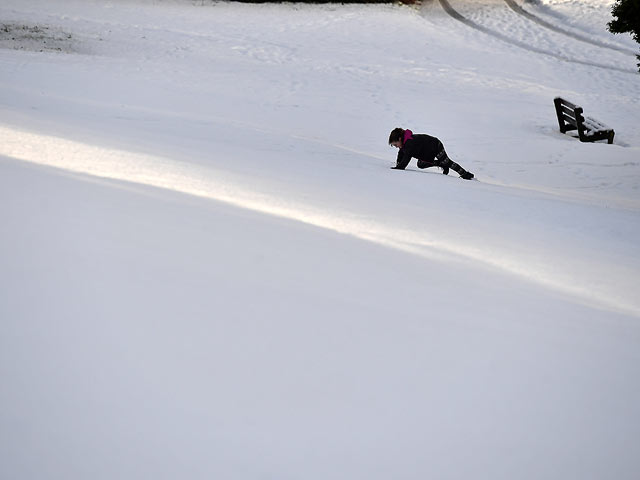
209 270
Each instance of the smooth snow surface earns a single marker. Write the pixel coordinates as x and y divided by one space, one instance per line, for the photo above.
209 270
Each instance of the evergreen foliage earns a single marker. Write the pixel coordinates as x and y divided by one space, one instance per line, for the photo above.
626 14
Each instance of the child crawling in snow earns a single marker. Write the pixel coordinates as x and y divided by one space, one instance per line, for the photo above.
427 149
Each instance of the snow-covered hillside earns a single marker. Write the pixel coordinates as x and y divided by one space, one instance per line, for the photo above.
208 269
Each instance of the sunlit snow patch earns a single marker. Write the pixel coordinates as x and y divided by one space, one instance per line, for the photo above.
222 186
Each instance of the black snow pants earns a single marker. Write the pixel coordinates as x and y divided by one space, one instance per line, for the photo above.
443 161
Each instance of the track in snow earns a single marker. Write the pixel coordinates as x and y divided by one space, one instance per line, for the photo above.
461 18
534 18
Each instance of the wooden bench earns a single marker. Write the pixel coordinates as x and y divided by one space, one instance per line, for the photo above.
570 117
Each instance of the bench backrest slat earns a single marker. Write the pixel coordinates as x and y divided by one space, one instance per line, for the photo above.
570 112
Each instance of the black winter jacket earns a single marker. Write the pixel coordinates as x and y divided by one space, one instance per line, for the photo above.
420 146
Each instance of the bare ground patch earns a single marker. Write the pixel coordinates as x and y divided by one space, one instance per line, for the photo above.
36 38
